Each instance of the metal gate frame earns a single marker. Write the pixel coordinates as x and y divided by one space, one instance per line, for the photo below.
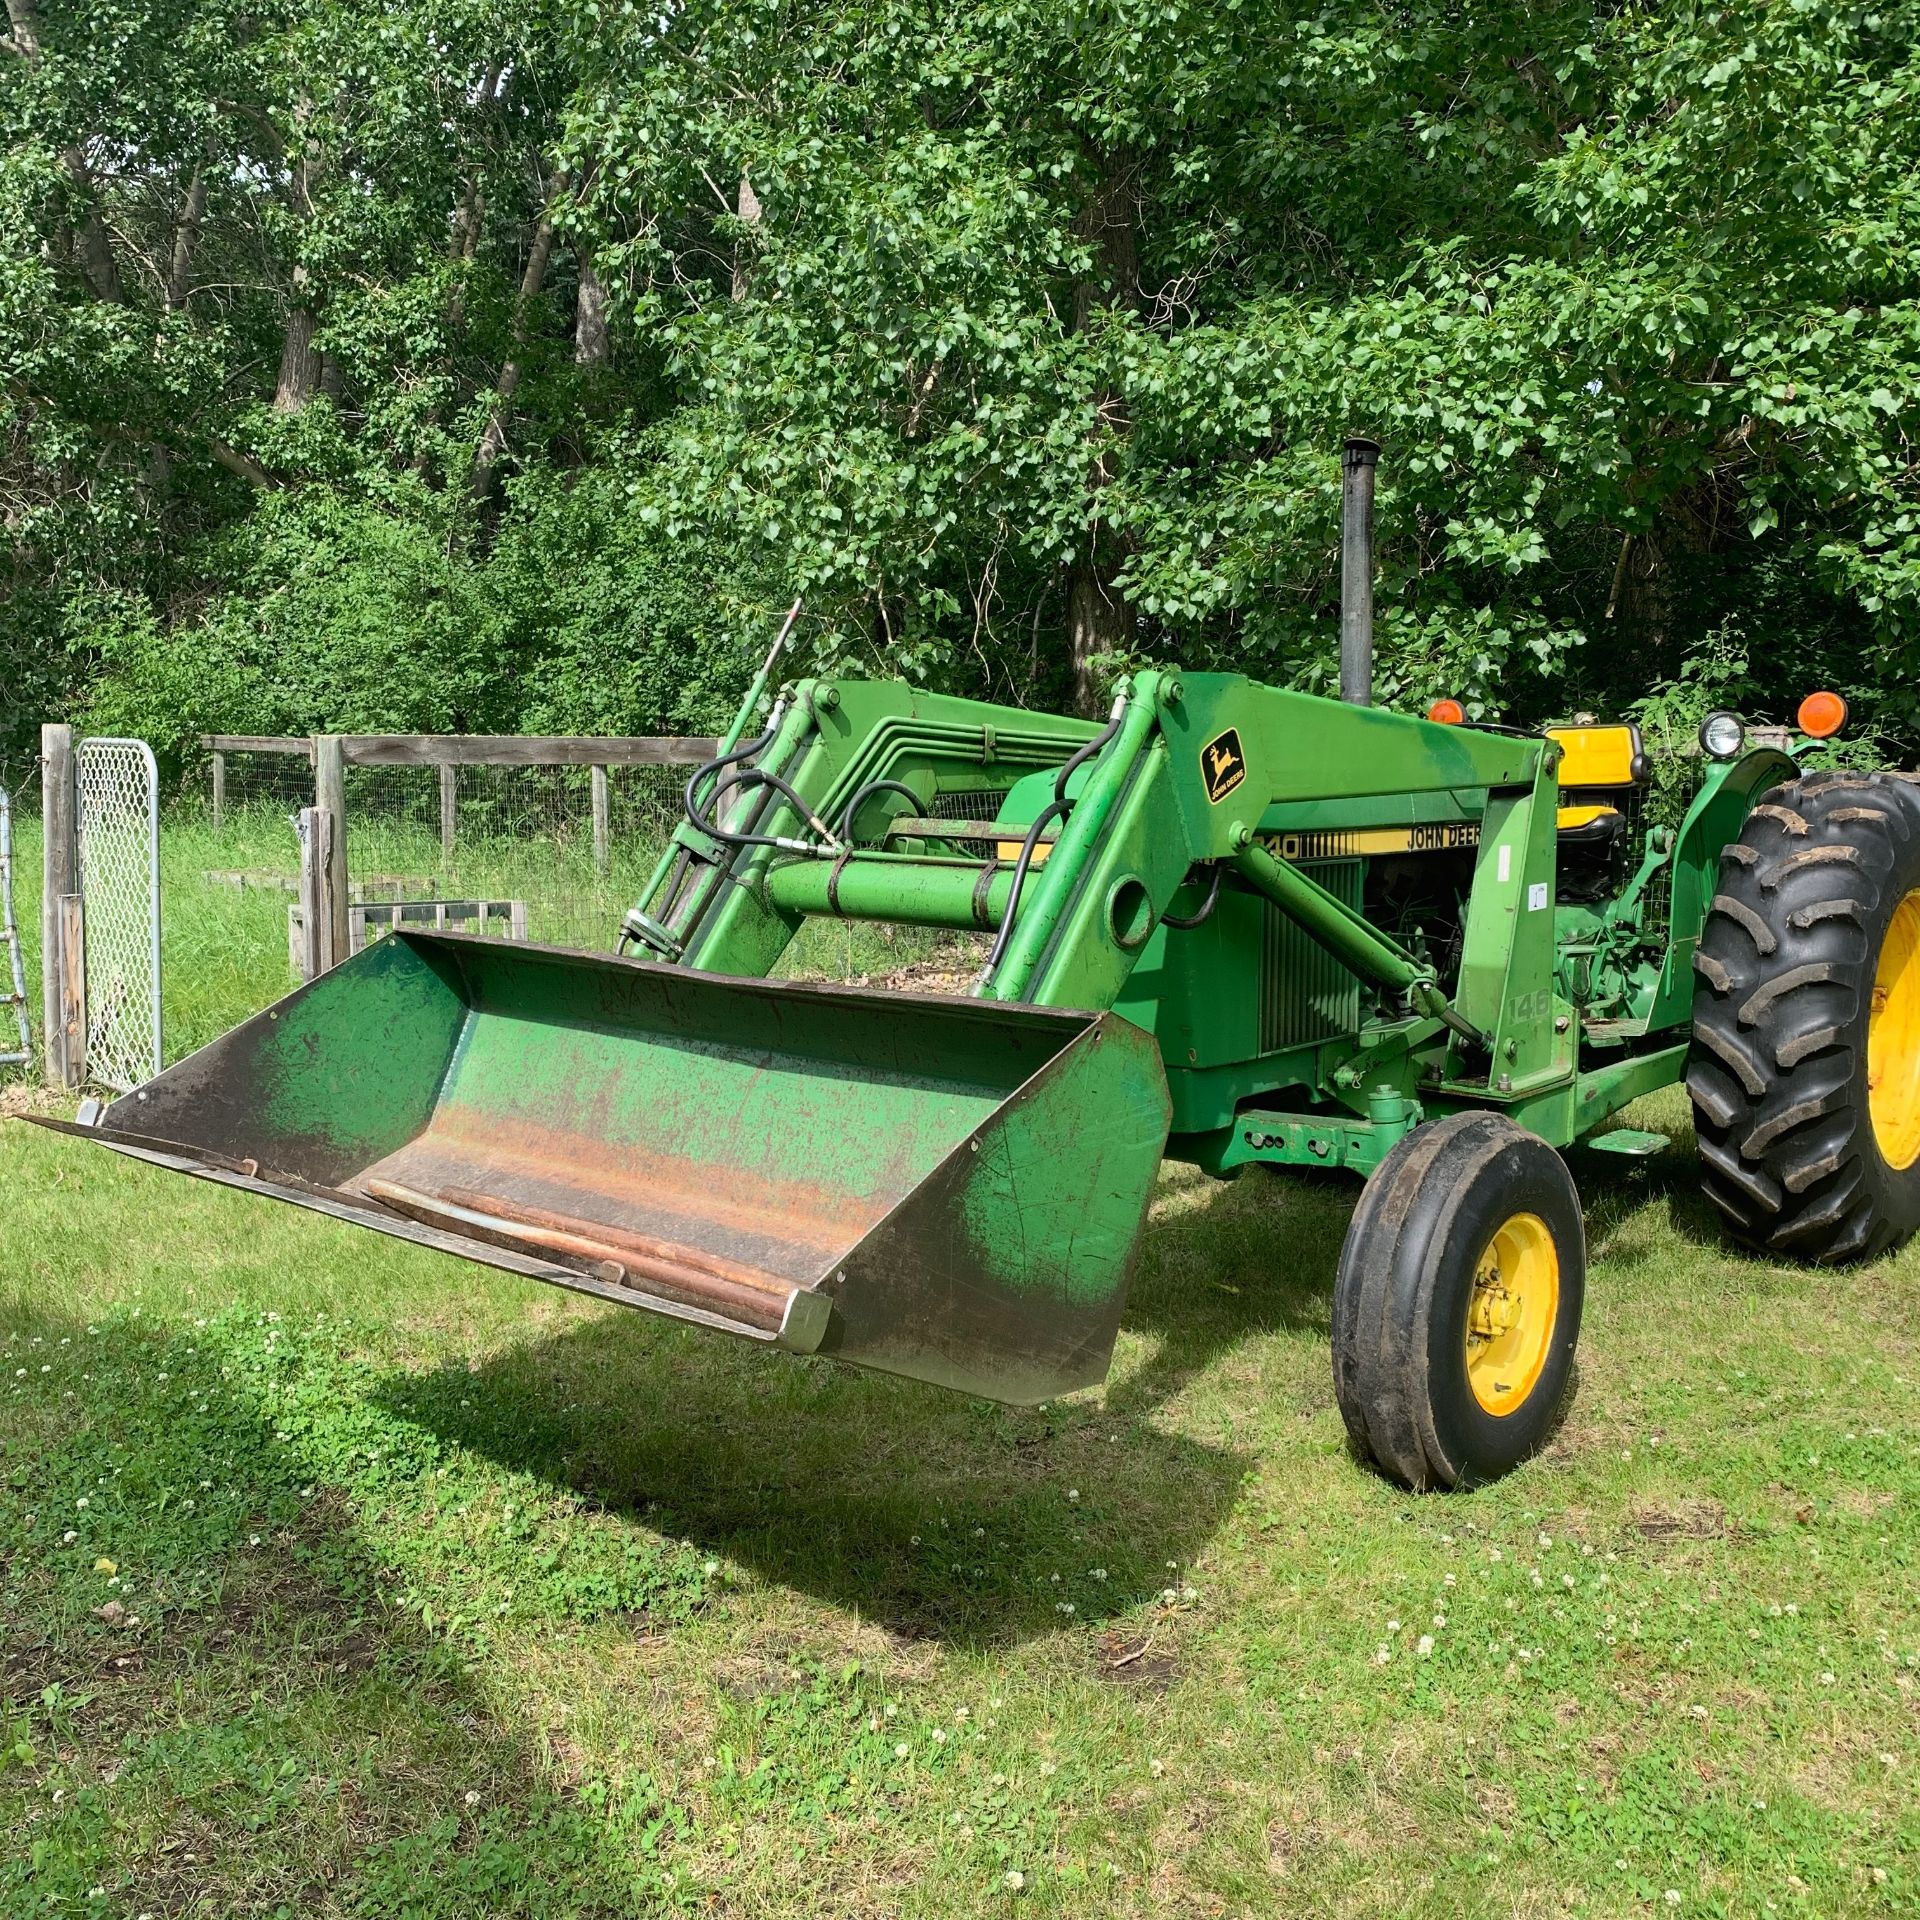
109 774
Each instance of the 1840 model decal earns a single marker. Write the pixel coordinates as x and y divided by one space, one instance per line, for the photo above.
1341 843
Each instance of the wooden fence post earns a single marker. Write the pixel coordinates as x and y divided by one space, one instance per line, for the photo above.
73 987
449 810
601 813
219 791
319 951
60 821
330 797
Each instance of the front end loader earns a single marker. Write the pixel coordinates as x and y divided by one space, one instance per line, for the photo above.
1233 924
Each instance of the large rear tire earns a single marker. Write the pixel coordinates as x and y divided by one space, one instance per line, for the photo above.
1458 1302
1805 1068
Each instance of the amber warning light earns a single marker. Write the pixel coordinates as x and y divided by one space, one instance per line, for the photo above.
1822 715
1450 713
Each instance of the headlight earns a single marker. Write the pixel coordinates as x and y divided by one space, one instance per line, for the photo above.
1722 735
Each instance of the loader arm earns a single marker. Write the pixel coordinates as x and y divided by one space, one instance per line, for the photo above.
1185 775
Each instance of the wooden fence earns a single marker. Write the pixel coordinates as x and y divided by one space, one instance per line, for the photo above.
324 896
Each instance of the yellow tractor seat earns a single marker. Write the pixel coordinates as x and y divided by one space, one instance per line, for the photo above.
1595 762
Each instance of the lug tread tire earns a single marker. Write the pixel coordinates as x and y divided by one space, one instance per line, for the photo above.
1406 1263
1782 994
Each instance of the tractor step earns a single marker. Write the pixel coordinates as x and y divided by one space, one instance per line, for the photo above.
1635 1142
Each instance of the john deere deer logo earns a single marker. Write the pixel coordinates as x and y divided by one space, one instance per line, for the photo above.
1222 765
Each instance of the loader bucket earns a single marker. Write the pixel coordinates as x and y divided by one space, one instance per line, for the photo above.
947 1189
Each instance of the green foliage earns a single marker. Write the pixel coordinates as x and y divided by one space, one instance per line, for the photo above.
1019 298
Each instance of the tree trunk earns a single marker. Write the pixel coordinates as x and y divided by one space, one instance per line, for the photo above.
89 240
299 377
747 207
468 217
1099 621
23 18
299 359
1099 618
592 337
186 236
152 484
493 442
95 250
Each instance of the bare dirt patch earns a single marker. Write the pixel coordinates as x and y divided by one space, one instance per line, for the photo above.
1131 1661
1684 1520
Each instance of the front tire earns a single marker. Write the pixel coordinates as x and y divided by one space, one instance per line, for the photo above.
1458 1302
1805 1068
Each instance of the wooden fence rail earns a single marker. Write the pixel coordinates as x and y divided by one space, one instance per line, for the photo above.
479 749
324 891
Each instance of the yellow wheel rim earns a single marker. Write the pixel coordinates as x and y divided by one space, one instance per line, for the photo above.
1516 1300
1893 1039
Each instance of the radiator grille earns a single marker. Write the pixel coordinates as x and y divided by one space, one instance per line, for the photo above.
1306 994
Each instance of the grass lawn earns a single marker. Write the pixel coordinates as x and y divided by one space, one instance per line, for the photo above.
342 1578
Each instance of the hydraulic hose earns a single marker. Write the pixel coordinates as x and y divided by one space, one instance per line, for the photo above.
1184 922
1080 758
863 794
749 777
1060 806
1020 867
713 767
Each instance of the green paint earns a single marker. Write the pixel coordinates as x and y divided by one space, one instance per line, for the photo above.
357 1059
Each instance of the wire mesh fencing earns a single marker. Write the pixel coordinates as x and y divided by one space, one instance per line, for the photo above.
552 854
119 818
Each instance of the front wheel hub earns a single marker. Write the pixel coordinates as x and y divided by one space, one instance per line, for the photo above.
1516 1299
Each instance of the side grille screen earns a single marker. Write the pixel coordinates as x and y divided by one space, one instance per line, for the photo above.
1306 994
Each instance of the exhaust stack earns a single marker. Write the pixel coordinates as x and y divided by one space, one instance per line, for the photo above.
1356 571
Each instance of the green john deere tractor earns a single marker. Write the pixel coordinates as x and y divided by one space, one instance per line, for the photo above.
1231 924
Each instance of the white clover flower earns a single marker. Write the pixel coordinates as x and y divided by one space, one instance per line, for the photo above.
1013 1880
939 1736
1424 1645
900 1749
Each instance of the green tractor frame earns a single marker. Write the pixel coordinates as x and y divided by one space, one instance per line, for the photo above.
1232 924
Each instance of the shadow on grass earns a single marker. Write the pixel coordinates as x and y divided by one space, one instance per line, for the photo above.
1613 1189
932 1514
203 1654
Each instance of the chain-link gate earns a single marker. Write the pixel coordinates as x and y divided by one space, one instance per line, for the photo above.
120 886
